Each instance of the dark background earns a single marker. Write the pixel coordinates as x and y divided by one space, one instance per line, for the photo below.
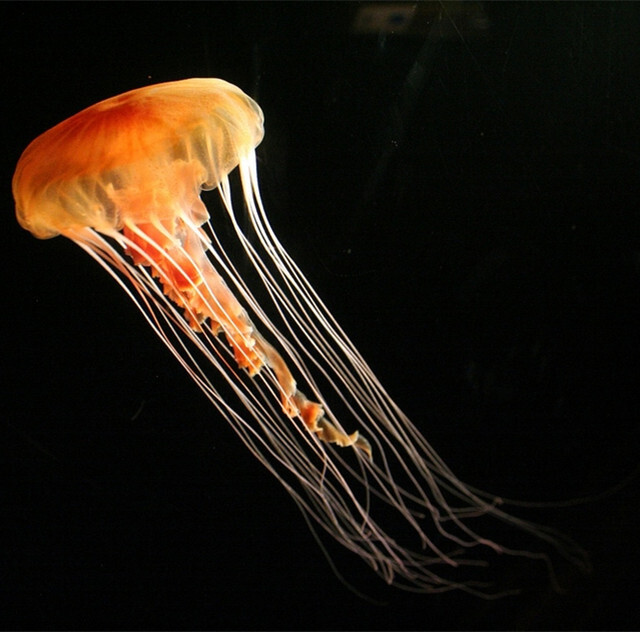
464 195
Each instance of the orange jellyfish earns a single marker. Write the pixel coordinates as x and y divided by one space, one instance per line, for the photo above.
122 179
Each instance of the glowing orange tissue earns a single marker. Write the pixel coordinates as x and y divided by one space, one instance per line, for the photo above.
123 180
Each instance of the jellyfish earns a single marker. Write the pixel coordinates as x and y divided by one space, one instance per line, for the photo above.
123 180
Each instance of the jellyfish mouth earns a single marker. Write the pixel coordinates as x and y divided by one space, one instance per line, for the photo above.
175 252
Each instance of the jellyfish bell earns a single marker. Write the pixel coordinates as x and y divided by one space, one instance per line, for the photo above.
123 180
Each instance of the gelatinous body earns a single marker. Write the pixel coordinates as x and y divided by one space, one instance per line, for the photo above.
123 180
